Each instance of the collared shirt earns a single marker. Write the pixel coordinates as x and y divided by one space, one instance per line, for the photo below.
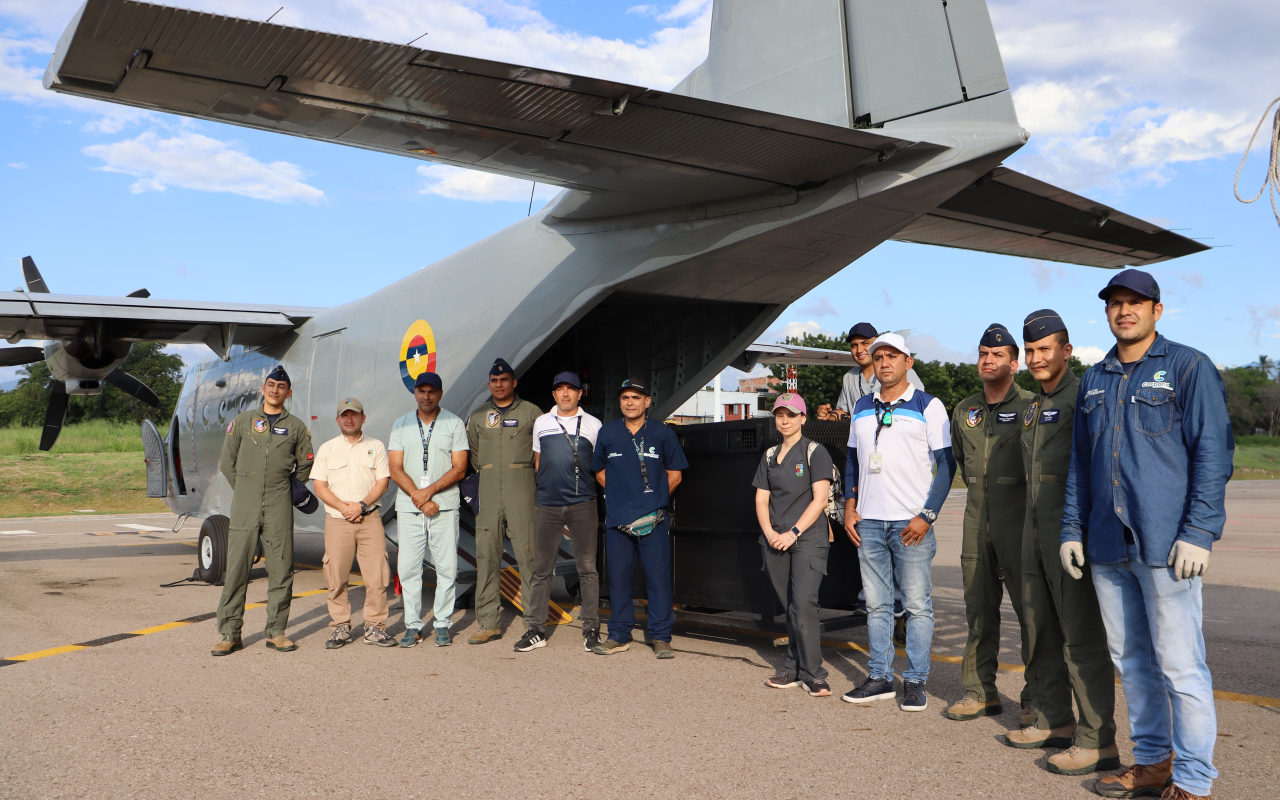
350 468
554 439
789 480
853 387
618 453
920 426
1153 453
448 436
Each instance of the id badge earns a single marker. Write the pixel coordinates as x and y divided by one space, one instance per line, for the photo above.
877 461
423 482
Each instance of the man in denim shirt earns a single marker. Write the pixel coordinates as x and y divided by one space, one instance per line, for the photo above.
1144 505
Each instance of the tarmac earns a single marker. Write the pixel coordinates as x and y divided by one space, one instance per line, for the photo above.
108 691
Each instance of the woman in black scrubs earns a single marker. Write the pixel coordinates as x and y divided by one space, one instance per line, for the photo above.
792 484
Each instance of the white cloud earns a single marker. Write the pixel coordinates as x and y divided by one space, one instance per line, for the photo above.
1088 354
458 183
17 165
795 329
193 161
888 301
1259 315
819 307
930 348
20 83
1045 273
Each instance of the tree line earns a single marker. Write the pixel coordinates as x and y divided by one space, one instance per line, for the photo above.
1253 391
25 405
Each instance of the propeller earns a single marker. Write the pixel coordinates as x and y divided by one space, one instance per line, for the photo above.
59 399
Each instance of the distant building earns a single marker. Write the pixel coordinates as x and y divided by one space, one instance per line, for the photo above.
765 384
701 407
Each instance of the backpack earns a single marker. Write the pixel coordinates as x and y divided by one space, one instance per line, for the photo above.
835 505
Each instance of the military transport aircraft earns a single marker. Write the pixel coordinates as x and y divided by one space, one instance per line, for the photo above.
691 218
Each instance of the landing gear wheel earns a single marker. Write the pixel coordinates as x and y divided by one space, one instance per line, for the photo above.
212 550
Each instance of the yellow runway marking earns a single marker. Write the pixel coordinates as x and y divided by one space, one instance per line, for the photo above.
53 651
168 626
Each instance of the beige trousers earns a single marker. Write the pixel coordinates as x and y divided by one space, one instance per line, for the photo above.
366 543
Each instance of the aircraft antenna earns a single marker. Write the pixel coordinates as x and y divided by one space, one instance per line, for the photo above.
273 16
531 189
1272 179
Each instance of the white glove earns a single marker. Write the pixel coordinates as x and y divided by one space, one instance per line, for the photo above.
1188 560
1072 553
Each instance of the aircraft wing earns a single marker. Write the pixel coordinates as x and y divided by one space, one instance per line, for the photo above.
63 317
765 353
1013 214
645 149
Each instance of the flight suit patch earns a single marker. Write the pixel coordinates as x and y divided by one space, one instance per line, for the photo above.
974 416
799 470
280 431
230 426
1006 416
1051 416
260 425
491 419
1030 415
511 423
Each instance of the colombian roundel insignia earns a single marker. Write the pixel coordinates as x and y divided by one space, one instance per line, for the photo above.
230 425
417 353
974 416
1030 415
259 425
491 419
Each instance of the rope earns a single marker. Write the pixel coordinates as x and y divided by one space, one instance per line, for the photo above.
1272 179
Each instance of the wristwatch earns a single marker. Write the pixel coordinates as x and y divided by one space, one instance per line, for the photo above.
929 516
795 531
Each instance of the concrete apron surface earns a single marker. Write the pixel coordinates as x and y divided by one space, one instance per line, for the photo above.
153 715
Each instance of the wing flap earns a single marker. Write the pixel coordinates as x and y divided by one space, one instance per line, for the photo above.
1014 214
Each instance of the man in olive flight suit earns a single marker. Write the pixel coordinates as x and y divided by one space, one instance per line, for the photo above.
1066 639
500 434
265 447
985 439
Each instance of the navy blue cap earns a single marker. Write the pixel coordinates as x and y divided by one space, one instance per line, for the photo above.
1040 324
634 385
1137 280
278 374
429 379
997 335
303 499
570 378
863 329
501 367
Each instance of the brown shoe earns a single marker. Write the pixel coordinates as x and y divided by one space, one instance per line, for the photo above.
1029 717
1176 792
484 635
973 708
281 643
1082 760
1140 780
1032 738
227 646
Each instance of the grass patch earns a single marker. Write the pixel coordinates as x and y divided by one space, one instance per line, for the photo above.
1257 461
62 483
98 436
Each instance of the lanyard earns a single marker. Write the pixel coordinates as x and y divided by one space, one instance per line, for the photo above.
644 470
884 417
426 441
573 445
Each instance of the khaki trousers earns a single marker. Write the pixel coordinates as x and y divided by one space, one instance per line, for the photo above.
364 541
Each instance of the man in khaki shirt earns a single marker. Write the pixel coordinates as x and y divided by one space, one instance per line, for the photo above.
351 473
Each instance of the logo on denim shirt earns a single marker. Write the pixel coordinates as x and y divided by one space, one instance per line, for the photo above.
1093 392
1157 382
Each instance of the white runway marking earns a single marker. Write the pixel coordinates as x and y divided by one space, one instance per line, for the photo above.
140 527
6 533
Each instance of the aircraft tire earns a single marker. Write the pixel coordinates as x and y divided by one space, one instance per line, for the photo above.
211 550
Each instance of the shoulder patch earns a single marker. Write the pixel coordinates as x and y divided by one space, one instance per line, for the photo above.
1031 414
974 416
231 426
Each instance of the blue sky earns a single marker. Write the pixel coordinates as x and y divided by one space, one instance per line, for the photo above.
1145 107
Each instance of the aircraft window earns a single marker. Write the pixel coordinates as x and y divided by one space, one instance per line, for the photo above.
244 403
205 413
191 415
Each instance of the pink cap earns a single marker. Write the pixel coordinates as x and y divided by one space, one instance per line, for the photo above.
792 401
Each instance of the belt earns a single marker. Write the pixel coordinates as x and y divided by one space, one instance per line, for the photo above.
1052 478
1001 481
525 465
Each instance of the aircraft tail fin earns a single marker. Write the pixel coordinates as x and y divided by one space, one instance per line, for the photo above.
856 63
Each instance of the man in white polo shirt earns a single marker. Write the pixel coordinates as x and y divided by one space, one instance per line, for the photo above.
898 436
351 473
428 449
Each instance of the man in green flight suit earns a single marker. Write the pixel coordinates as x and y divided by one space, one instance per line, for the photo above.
985 439
1066 639
500 434
264 449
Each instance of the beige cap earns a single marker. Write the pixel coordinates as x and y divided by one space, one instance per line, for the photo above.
350 404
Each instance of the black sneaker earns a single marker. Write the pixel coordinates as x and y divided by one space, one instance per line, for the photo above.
872 689
532 640
818 689
900 631
783 680
913 696
590 639
341 636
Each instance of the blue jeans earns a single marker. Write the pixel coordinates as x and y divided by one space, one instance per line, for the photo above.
884 558
654 551
1157 643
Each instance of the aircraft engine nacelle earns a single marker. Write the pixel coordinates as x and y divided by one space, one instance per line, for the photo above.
75 363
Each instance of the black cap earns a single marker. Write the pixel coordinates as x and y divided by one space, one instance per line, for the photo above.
635 385
303 499
278 374
501 367
570 378
863 329
997 335
1040 324
1135 279
429 379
